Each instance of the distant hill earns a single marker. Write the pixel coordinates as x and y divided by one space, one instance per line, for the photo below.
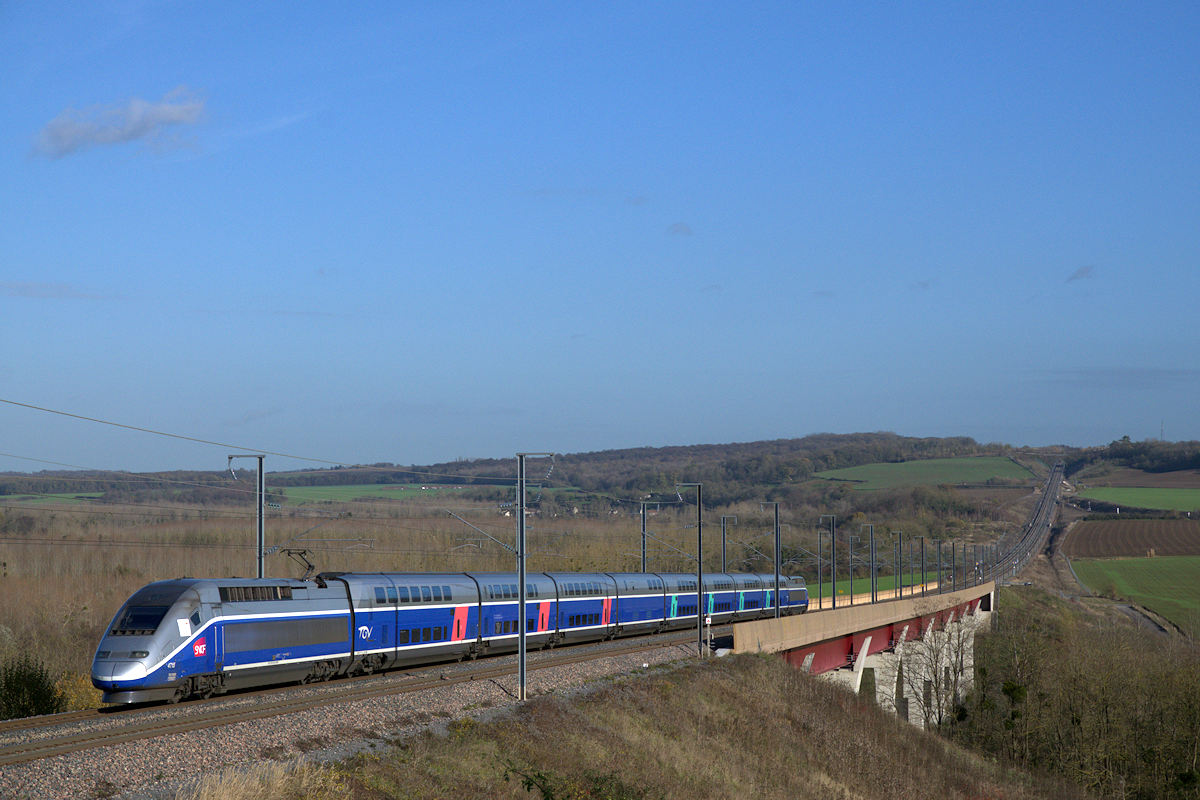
730 472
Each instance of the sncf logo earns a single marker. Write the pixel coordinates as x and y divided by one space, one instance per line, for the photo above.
199 647
364 632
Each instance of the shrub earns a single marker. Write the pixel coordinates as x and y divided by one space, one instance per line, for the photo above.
77 691
26 689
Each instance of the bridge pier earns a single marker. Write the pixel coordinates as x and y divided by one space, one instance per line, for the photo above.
920 650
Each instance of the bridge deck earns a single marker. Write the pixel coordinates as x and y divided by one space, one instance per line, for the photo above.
789 633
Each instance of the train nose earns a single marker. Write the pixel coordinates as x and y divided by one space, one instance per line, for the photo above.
109 671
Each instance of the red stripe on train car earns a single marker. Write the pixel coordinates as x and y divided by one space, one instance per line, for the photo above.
460 623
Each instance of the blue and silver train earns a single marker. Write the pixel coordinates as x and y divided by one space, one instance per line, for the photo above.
198 637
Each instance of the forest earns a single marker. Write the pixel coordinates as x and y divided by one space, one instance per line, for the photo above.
1151 455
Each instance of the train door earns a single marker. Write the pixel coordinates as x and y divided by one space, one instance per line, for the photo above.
459 631
372 624
216 641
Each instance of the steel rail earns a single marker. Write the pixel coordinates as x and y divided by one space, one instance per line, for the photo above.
336 692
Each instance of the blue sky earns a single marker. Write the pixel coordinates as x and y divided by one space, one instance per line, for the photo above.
412 232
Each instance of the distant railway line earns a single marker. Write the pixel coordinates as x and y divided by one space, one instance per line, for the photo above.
1034 534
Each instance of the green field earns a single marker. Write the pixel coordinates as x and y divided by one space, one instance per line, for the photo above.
348 494
1161 499
885 585
63 497
930 472
1170 585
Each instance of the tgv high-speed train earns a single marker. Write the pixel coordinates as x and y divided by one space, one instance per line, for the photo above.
196 637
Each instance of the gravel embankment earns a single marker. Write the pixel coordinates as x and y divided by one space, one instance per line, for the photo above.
156 768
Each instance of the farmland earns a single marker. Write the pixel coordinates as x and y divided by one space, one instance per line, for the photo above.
1164 499
1110 558
1170 585
348 494
931 472
1125 476
1133 538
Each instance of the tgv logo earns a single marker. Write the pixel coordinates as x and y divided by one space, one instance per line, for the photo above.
364 631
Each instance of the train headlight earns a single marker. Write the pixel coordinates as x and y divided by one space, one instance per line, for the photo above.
140 654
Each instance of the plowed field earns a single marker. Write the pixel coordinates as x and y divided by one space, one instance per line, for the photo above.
1133 538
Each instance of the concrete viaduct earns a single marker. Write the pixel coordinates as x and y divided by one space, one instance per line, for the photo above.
918 650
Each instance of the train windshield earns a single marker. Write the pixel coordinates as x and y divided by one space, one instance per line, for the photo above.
144 612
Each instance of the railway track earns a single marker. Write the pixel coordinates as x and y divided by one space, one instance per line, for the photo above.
44 737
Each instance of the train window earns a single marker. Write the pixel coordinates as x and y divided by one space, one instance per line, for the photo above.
426 595
446 592
530 590
195 619
391 594
140 620
437 594
425 633
380 596
402 637
439 634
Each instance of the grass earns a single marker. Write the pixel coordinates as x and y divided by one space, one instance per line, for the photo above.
885 584
741 726
62 497
1169 585
930 472
1141 497
348 494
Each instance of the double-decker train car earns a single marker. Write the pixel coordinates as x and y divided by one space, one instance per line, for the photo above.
196 637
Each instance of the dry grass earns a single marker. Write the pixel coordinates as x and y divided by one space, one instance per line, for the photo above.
272 779
67 568
739 727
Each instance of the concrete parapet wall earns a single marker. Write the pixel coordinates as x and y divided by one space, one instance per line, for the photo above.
790 633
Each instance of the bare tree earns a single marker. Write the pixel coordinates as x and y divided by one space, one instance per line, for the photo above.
933 670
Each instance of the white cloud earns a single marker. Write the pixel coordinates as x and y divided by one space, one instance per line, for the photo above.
1083 273
137 119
